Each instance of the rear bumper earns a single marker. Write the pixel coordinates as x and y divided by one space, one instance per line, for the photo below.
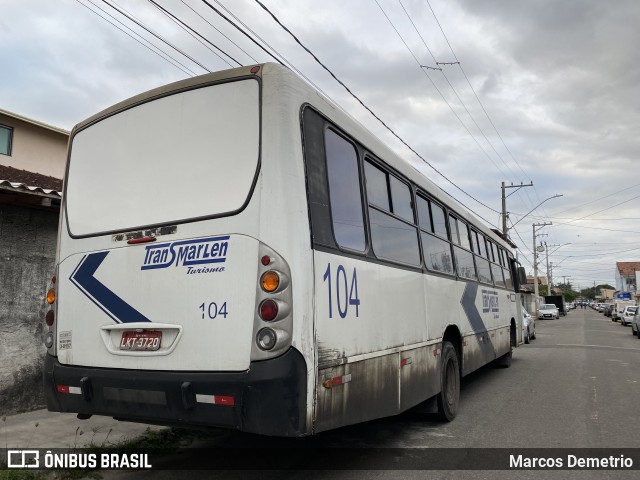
269 398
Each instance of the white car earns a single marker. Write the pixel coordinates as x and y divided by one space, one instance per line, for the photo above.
528 326
635 323
627 315
548 310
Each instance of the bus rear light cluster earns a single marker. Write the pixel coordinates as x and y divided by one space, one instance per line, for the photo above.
273 321
50 316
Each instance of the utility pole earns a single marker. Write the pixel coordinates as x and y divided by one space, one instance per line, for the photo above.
535 262
550 265
546 247
504 203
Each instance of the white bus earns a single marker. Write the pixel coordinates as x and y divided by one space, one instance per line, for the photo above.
236 251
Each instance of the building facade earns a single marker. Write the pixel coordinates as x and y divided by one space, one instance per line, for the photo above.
626 276
32 162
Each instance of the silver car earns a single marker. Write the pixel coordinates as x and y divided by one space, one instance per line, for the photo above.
548 311
528 326
627 315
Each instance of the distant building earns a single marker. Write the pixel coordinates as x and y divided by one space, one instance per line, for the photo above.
531 282
32 163
626 276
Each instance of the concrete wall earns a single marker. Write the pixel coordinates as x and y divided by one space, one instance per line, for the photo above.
27 258
35 148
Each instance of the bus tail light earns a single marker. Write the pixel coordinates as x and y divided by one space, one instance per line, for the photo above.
49 318
268 310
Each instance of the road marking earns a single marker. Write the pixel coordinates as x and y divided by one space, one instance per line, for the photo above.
595 416
596 346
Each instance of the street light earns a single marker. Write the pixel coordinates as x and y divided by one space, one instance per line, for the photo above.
525 215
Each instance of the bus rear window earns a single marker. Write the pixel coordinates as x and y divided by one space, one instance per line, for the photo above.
185 156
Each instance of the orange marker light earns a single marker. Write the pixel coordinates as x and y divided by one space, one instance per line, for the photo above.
270 281
51 296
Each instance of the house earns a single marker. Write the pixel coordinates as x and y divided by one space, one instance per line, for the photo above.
626 276
32 162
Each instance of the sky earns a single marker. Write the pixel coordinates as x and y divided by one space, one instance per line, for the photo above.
545 92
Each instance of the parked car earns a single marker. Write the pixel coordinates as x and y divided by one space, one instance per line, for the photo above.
635 323
548 310
608 309
627 315
528 326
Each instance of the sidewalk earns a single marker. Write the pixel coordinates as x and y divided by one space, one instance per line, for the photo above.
44 429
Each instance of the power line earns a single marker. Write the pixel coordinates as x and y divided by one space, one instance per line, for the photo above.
219 31
277 56
184 69
373 113
459 63
450 85
198 34
141 25
437 89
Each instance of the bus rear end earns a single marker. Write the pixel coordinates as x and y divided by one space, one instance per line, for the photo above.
167 306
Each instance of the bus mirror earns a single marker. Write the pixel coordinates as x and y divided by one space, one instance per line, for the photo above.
522 276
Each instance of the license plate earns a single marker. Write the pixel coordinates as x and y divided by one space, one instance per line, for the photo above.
141 341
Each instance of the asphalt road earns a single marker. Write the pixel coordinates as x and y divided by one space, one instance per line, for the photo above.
573 387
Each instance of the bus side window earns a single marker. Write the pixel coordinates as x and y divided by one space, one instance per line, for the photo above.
507 270
496 269
439 222
464 258
436 251
393 236
344 192
482 264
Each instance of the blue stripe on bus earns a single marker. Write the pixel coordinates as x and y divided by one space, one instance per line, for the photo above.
468 302
100 295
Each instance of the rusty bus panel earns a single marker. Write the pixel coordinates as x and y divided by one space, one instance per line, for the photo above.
357 392
419 378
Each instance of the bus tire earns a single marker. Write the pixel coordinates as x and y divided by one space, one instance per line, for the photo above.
527 337
449 396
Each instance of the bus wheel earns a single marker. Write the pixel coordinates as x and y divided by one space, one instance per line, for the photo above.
449 395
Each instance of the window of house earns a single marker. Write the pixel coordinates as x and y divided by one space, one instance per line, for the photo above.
344 192
6 136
